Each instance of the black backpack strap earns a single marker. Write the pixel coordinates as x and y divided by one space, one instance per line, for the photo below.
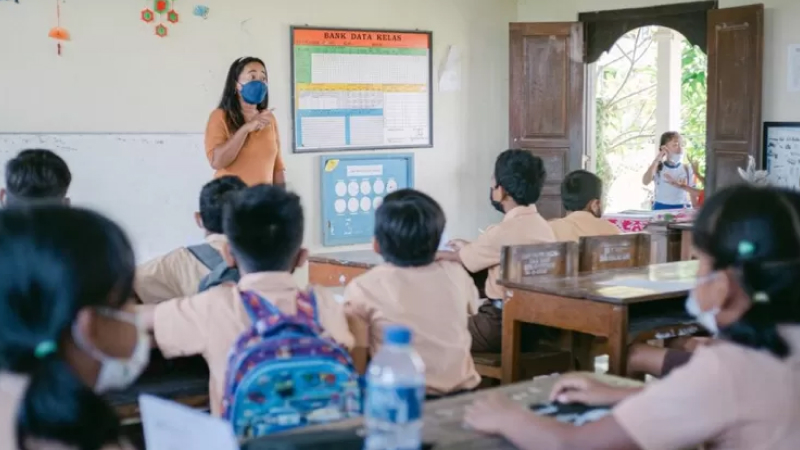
219 275
207 255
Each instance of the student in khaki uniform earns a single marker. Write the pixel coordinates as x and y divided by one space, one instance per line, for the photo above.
264 227
741 392
178 273
515 188
36 176
581 192
415 291
66 333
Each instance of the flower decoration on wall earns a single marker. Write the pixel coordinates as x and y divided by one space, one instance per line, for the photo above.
165 11
58 32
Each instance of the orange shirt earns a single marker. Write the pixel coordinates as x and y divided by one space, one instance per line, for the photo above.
260 156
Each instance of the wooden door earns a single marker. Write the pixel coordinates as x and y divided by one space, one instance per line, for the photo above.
546 113
735 66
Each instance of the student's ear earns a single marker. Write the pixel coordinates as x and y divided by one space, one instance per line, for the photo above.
595 207
302 258
198 220
2 197
85 324
227 255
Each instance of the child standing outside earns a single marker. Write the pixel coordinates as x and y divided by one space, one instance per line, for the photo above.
674 179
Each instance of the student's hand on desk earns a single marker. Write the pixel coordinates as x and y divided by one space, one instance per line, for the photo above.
457 244
578 388
493 413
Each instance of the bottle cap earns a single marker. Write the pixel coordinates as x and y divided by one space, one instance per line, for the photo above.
397 335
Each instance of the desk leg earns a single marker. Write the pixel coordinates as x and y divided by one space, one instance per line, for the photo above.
618 341
511 359
686 245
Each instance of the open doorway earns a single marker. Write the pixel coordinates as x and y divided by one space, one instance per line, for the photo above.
651 80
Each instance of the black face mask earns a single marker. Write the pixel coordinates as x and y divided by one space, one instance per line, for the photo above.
495 204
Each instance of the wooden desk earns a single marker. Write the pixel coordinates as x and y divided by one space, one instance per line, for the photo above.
444 418
338 268
623 305
685 229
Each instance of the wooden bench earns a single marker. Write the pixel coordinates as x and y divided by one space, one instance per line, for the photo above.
520 264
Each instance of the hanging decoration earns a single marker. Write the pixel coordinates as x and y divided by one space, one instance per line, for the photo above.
201 11
164 9
58 33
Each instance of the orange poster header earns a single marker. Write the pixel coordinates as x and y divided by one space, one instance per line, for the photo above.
361 38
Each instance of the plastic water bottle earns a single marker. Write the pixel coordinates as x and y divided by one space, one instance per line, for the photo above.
395 394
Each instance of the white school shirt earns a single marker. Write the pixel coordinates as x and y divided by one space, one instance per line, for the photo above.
668 194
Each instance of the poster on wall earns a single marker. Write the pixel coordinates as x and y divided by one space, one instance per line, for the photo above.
356 89
353 187
782 153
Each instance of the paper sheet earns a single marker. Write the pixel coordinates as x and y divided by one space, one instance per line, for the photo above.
171 426
793 68
654 285
450 71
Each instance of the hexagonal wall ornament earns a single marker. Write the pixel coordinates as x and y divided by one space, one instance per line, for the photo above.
161 6
172 16
161 31
148 15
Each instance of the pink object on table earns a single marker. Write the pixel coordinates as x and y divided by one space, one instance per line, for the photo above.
637 221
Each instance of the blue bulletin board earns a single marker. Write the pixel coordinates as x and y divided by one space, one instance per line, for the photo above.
353 187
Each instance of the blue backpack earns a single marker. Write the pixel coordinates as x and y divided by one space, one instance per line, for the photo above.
282 374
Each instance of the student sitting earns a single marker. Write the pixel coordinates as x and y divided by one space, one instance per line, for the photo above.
581 192
515 188
413 290
36 176
65 334
180 272
264 229
741 392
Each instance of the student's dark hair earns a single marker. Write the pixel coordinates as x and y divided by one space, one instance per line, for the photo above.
665 139
56 261
756 232
264 226
212 198
408 227
36 175
234 117
521 174
579 188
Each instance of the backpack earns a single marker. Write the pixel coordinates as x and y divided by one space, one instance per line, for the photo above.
220 271
282 374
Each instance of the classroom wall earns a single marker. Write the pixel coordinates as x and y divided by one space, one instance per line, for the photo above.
780 31
116 76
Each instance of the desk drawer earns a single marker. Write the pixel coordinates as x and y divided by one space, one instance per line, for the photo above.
332 275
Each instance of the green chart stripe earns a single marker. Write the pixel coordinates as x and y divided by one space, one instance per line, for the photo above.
302 56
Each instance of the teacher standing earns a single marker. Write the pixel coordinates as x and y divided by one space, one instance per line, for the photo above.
242 135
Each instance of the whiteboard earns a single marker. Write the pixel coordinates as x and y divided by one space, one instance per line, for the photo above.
147 183
356 89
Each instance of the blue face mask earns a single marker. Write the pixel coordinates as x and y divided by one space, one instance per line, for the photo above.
254 92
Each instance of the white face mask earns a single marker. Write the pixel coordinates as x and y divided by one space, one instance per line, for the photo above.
117 373
708 319
675 158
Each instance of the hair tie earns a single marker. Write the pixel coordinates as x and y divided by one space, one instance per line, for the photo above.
760 297
746 248
45 349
